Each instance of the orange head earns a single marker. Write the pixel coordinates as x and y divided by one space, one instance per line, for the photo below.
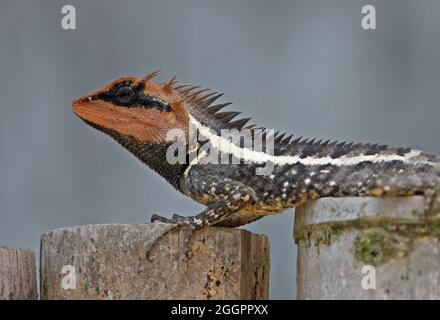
138 108
139 114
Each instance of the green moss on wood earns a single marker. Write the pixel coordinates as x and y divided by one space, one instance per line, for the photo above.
376 247
325 233
379 239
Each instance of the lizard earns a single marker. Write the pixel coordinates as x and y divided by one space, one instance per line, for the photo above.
140 113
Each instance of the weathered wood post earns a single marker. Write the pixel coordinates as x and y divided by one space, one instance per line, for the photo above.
18 279
109 262
367 248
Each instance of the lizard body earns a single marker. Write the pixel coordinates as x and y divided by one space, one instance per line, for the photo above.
139 114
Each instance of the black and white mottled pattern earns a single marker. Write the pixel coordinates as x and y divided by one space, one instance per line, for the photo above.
291 184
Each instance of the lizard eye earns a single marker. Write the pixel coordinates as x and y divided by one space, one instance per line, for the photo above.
125 95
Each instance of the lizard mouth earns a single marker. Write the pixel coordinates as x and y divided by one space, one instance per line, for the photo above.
136 122
87 109
84 107
78 103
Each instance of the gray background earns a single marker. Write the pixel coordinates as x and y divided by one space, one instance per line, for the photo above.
300 66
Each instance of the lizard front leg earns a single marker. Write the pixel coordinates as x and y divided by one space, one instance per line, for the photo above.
228 196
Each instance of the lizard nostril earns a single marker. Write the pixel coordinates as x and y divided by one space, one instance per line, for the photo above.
85 99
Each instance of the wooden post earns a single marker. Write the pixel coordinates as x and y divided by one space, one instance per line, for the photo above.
109 262
17 274
367 248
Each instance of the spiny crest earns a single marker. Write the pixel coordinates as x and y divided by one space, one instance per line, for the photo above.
151 76
203 101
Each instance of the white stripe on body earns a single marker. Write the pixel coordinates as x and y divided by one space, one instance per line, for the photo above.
225 146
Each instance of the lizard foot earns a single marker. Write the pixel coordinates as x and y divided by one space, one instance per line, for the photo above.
177 222
174 219
158 218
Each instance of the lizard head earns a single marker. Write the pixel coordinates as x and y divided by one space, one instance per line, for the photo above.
137 108
147 118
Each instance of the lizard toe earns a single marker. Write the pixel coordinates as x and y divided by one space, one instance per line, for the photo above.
177 217
156 217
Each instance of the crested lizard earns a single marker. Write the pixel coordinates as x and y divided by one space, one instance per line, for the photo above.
140 113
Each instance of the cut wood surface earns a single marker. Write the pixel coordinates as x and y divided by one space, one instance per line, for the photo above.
367 248
17 274
109 262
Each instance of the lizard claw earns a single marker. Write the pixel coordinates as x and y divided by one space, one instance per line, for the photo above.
187 246
177 217
156 217
176 223
153 244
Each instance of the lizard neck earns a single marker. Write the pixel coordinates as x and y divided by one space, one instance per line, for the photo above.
154 155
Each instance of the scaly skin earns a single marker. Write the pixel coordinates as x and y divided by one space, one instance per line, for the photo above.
139 113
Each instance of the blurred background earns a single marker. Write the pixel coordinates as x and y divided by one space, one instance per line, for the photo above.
305 67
